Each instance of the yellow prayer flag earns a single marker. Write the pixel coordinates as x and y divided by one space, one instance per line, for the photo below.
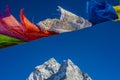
117 9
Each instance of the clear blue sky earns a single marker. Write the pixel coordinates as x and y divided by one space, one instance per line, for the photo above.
95 50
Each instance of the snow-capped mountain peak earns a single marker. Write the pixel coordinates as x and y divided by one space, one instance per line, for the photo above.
45 70
52 70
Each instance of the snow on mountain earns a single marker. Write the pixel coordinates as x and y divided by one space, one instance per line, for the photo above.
52 70
44 71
